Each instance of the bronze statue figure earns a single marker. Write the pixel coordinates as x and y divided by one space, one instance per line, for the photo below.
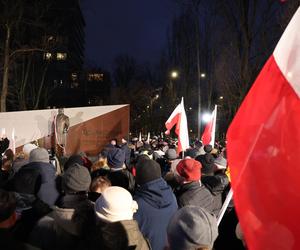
62 124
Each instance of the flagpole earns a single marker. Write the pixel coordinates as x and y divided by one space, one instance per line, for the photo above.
213 134
224 207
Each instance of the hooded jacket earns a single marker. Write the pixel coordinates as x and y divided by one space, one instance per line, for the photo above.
157 204
37 178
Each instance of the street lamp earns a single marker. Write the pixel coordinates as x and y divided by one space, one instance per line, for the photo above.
206 117
174 74
203 75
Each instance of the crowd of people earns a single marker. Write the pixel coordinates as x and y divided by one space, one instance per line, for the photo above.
134 195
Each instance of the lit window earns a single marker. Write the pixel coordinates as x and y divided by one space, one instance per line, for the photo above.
47 56
74 76
95 77
61 56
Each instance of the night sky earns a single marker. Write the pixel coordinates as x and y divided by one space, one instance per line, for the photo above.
134 27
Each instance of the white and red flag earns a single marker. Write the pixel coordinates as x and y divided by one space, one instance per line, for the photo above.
264 148
178 118
208 136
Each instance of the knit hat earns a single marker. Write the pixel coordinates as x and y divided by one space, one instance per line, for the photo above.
171 154
206 163
75 179
115 204
192 152
147 170
39 155
27 148
72 160
116 158
147 153
189 169
208 148
220 162
192 227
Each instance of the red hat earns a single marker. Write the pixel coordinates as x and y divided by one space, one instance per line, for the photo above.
189 169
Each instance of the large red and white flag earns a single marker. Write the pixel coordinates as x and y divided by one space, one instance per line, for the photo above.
178 118
264 149
208 136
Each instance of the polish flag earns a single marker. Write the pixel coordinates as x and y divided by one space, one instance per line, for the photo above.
208 136
178 118
264 149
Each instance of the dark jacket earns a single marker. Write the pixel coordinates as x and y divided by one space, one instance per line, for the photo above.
157 204
127 152
37 178
10 242
122 178
17 165
216 184
121 235
66 227
196 194
29 209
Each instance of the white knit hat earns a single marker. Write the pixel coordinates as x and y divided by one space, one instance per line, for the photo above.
115 204
27 148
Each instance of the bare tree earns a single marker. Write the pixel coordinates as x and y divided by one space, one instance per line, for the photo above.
246 35
18 17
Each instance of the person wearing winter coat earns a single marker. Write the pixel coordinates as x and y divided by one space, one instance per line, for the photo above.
156 201
191 191
73 219
116 227
118 174
38 177
216 181
8 221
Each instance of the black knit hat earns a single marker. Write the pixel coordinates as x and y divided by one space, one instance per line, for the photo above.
76 179
192 152
208 148
207 162
72 160
116 158
146 171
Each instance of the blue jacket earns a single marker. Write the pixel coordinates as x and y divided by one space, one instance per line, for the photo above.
157 204
37 178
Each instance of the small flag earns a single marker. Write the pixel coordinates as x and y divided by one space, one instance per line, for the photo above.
178 118
208 136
